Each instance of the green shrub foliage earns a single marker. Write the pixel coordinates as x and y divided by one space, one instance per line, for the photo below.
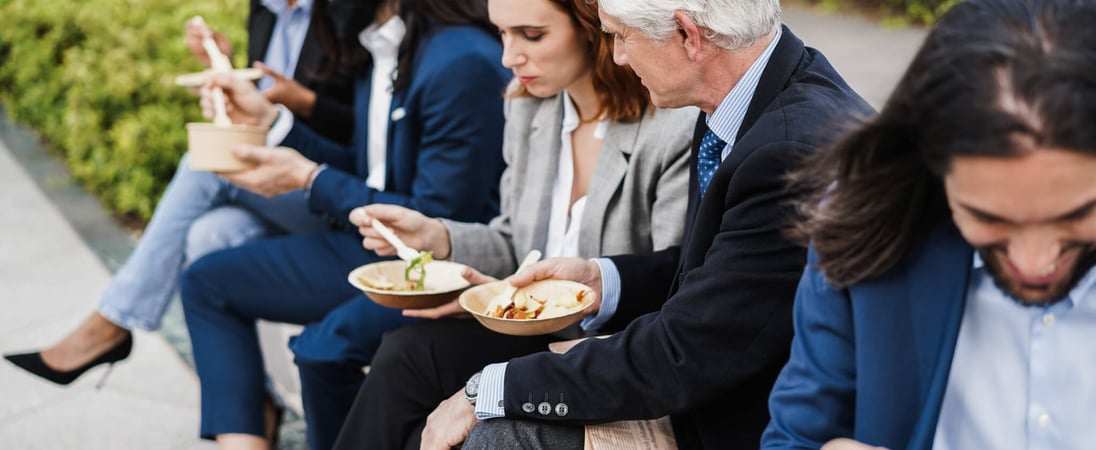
95 79
918 11
896 11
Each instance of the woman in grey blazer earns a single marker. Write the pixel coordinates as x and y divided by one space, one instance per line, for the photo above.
591 171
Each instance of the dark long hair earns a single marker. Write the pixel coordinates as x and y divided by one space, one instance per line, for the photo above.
994 78
420 15
347 57
621 95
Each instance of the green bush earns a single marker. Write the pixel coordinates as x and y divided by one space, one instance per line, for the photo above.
95 79
917 11
901 11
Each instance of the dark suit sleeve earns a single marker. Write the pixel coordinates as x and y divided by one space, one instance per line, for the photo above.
645 281
318 148
459 147
332 118
813 400
727 327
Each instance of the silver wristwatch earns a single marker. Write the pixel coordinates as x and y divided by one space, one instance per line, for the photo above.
471 388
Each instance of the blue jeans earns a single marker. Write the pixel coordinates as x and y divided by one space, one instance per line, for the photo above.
199 213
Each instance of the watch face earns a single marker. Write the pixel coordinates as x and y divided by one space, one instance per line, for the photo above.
471 388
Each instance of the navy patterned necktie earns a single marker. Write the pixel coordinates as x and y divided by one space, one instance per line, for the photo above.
711 150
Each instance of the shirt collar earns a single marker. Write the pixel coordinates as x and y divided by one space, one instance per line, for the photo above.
278 7
571 119
728 116
385 39
570 113
1076 295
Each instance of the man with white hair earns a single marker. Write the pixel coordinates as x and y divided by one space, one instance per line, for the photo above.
706 326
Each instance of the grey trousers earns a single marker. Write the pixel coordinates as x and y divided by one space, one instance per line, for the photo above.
508 434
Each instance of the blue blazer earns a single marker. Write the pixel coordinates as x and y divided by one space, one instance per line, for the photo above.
444 136
871 362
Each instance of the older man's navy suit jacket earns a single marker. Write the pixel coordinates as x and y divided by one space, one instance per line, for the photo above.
708 323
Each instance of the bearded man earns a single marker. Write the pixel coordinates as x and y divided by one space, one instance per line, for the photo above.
949 301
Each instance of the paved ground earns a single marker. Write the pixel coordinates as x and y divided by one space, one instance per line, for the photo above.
58 248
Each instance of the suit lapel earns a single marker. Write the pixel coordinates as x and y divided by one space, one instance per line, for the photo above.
611 167
262 26
782 65
937 290
360 138
544 147
308 61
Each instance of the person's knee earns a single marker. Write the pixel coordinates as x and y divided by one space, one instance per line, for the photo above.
521 434
197 282
219 229
399 347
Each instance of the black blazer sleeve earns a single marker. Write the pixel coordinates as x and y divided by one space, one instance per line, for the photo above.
332 114
645 281
728 324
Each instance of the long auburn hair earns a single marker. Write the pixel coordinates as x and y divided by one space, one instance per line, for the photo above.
621 95
994 78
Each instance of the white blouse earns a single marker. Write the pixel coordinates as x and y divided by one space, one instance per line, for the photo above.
564 224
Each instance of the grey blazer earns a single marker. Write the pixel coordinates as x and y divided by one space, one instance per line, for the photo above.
635 203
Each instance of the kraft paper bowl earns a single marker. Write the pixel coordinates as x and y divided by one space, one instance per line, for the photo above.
210 145
443 284
475 301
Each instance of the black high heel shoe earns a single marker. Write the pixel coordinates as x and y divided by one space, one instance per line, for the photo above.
33 363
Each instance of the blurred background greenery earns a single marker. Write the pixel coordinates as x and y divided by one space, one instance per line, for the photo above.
892 12
94 79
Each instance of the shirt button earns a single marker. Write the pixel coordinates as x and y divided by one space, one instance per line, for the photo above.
528 407
1043 420
544 408
1048 319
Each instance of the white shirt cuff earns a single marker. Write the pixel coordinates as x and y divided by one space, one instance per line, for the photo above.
489 399
280 129
610 295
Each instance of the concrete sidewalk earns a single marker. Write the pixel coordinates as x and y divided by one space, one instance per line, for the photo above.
49 280
52 270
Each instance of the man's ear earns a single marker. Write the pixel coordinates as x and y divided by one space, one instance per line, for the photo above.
691 35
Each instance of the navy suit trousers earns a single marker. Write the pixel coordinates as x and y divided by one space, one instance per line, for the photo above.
294 279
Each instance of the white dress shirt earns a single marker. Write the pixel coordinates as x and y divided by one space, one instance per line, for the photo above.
383 42
286 39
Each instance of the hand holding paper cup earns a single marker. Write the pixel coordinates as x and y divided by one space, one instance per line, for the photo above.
210 145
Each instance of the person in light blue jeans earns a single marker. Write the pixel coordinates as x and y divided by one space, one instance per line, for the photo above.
212 214
199 212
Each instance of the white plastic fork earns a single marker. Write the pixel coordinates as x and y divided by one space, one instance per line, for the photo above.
402 250
507 294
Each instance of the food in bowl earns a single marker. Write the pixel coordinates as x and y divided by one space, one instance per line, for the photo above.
546 305
420 263
414 276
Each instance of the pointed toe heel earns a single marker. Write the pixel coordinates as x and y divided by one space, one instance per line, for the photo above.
33 363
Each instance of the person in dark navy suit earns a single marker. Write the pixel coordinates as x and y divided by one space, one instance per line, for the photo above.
428 136
704 327
949 301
